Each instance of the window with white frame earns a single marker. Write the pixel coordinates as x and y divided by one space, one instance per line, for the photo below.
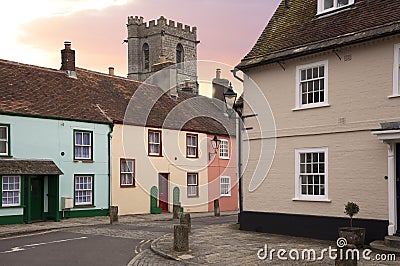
330 5
396 70
225 186
127 172
224 149
311 178
191 145
83 147
154 142
83 190
4 140
11 191
312 85
192 185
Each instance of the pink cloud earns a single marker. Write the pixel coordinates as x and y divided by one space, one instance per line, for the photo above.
226 29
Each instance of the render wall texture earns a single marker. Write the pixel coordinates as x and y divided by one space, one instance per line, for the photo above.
127 143
358 93
222 167
36 138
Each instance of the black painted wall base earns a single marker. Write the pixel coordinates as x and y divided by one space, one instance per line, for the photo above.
319 227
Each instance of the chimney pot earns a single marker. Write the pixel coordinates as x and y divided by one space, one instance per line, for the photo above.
67 45
218 73
111 71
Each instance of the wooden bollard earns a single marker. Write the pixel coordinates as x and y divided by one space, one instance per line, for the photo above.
185 220
113 214
216 208
181 238
175 210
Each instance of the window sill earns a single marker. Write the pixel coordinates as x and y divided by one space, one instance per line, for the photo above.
394 96
5 156
225 195
311 107
127 186
83 206
193 196
155 155
192 157
224 158
312 200
12 207
334 10
83 161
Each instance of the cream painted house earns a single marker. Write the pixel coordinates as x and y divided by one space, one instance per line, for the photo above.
330 74
165 151
167 170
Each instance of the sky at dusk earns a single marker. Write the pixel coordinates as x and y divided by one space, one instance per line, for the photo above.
33 31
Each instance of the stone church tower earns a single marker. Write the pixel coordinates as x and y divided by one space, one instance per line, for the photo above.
158 44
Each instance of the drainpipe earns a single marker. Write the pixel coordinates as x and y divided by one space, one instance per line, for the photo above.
239 152
109 138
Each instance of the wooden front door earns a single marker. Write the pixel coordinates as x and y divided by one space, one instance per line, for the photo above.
37 198
163 192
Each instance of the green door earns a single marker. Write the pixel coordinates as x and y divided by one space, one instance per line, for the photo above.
37 198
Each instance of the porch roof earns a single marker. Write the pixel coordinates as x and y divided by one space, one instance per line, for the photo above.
28 167
389 132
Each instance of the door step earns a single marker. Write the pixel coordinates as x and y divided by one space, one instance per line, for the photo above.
391 244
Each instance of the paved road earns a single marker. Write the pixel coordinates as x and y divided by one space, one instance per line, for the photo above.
91 245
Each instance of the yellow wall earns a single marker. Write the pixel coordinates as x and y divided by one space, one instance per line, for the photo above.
131 142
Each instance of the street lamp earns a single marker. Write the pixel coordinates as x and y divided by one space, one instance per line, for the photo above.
230 99
232 106
215 144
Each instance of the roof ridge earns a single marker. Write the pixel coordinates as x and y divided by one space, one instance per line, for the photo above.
107 75
9 62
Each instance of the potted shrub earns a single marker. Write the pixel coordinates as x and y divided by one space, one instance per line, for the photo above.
354 235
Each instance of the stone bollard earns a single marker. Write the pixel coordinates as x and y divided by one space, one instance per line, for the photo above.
216 208
181 238
185 220
113 214
176 209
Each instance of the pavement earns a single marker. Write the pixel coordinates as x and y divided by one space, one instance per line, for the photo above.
225 244
20 229
222 244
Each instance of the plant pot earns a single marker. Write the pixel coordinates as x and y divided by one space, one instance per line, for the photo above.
353 235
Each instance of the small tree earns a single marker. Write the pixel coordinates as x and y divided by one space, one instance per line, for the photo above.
351 209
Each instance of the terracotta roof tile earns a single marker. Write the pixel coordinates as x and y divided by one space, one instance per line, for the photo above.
98 97
299 30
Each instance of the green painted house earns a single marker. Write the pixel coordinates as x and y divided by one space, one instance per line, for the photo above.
54 142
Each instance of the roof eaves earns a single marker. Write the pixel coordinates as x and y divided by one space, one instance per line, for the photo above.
339 41
53 117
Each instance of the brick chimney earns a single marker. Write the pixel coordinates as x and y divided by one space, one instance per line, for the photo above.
111 71
67 58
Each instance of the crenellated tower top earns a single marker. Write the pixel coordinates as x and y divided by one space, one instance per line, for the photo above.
160 23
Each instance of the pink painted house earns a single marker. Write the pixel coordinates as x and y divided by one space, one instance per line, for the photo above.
222 177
